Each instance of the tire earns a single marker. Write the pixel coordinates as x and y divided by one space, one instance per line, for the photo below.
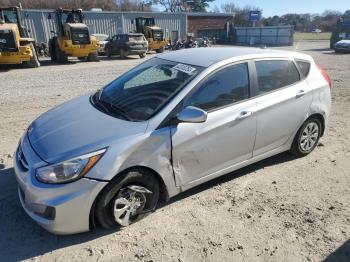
82 58
310 131
160 50
52 50
92 57
34 61
61 56
143 55
123 54
117 190
108 53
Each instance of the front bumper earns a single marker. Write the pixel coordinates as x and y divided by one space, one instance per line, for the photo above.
60 208
344 49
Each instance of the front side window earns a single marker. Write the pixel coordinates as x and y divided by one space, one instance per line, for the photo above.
225 87
274 74
140 93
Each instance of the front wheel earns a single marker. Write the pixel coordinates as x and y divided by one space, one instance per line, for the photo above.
142 55
127 199
307 137
160 50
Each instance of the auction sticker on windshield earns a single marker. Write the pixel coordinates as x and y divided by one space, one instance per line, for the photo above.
185 68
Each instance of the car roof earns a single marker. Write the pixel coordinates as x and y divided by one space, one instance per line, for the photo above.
208 56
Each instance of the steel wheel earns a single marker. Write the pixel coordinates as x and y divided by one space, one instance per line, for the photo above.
129 203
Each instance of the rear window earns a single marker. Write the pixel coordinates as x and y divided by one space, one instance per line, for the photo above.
274 74
304 67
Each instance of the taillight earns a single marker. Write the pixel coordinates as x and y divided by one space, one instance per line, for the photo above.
325 75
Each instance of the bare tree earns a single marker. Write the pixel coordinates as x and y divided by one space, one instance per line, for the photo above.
228 8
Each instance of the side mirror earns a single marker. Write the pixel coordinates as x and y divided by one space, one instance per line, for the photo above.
192 114
49 16
52 31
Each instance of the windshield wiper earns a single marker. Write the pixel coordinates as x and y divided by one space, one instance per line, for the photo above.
108 107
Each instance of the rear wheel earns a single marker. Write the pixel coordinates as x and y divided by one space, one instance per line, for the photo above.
307 137
60 55
93 57
123 53
34 61
52 50
127 199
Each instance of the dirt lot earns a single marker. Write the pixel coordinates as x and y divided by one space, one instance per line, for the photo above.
280 209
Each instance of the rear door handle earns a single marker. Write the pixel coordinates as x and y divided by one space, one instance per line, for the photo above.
300 93
244 115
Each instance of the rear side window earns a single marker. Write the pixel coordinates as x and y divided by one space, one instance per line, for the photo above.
274 74
304 67
223 88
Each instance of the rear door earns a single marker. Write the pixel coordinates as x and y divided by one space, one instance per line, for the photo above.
283 100
202 151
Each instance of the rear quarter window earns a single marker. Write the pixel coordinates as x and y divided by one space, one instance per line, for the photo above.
275 74
304 67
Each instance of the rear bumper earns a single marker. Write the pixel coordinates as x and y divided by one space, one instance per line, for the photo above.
24 54
60 209
79 50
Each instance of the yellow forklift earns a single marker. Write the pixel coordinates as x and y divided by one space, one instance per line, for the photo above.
153 33
72 37
16 47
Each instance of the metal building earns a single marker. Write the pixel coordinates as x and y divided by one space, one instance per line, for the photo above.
175 25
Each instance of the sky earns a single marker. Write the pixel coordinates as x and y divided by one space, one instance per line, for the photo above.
280 7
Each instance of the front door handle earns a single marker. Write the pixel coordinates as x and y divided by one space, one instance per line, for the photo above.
244 115
300 93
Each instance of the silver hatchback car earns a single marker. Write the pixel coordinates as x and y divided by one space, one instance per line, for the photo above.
167 125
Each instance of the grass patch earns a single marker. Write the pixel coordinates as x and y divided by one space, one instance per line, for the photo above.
298 36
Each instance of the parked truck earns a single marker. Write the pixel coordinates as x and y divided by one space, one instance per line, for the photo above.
16 47
153 33
72 37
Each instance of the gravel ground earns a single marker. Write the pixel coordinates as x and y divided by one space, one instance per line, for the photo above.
280 209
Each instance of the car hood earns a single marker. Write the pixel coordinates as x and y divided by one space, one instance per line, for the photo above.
343 42
75 128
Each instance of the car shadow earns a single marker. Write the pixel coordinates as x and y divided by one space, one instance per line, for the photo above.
19 232
21 238
342 254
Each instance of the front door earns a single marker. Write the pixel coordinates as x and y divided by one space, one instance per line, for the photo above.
202 151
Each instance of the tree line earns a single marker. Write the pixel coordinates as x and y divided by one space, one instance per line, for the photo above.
302 22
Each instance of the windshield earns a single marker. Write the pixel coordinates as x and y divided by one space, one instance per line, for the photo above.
136 38
141 92
101 37
9 16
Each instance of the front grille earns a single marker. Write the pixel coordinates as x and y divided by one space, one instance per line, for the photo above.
8 41
22 160
80 36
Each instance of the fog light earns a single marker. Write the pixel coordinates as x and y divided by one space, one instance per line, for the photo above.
44 211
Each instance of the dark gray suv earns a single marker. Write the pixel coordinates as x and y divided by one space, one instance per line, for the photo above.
127 44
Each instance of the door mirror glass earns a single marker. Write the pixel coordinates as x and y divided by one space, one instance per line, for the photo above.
192 114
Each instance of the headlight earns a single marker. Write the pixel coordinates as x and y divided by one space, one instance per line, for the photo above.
70 170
